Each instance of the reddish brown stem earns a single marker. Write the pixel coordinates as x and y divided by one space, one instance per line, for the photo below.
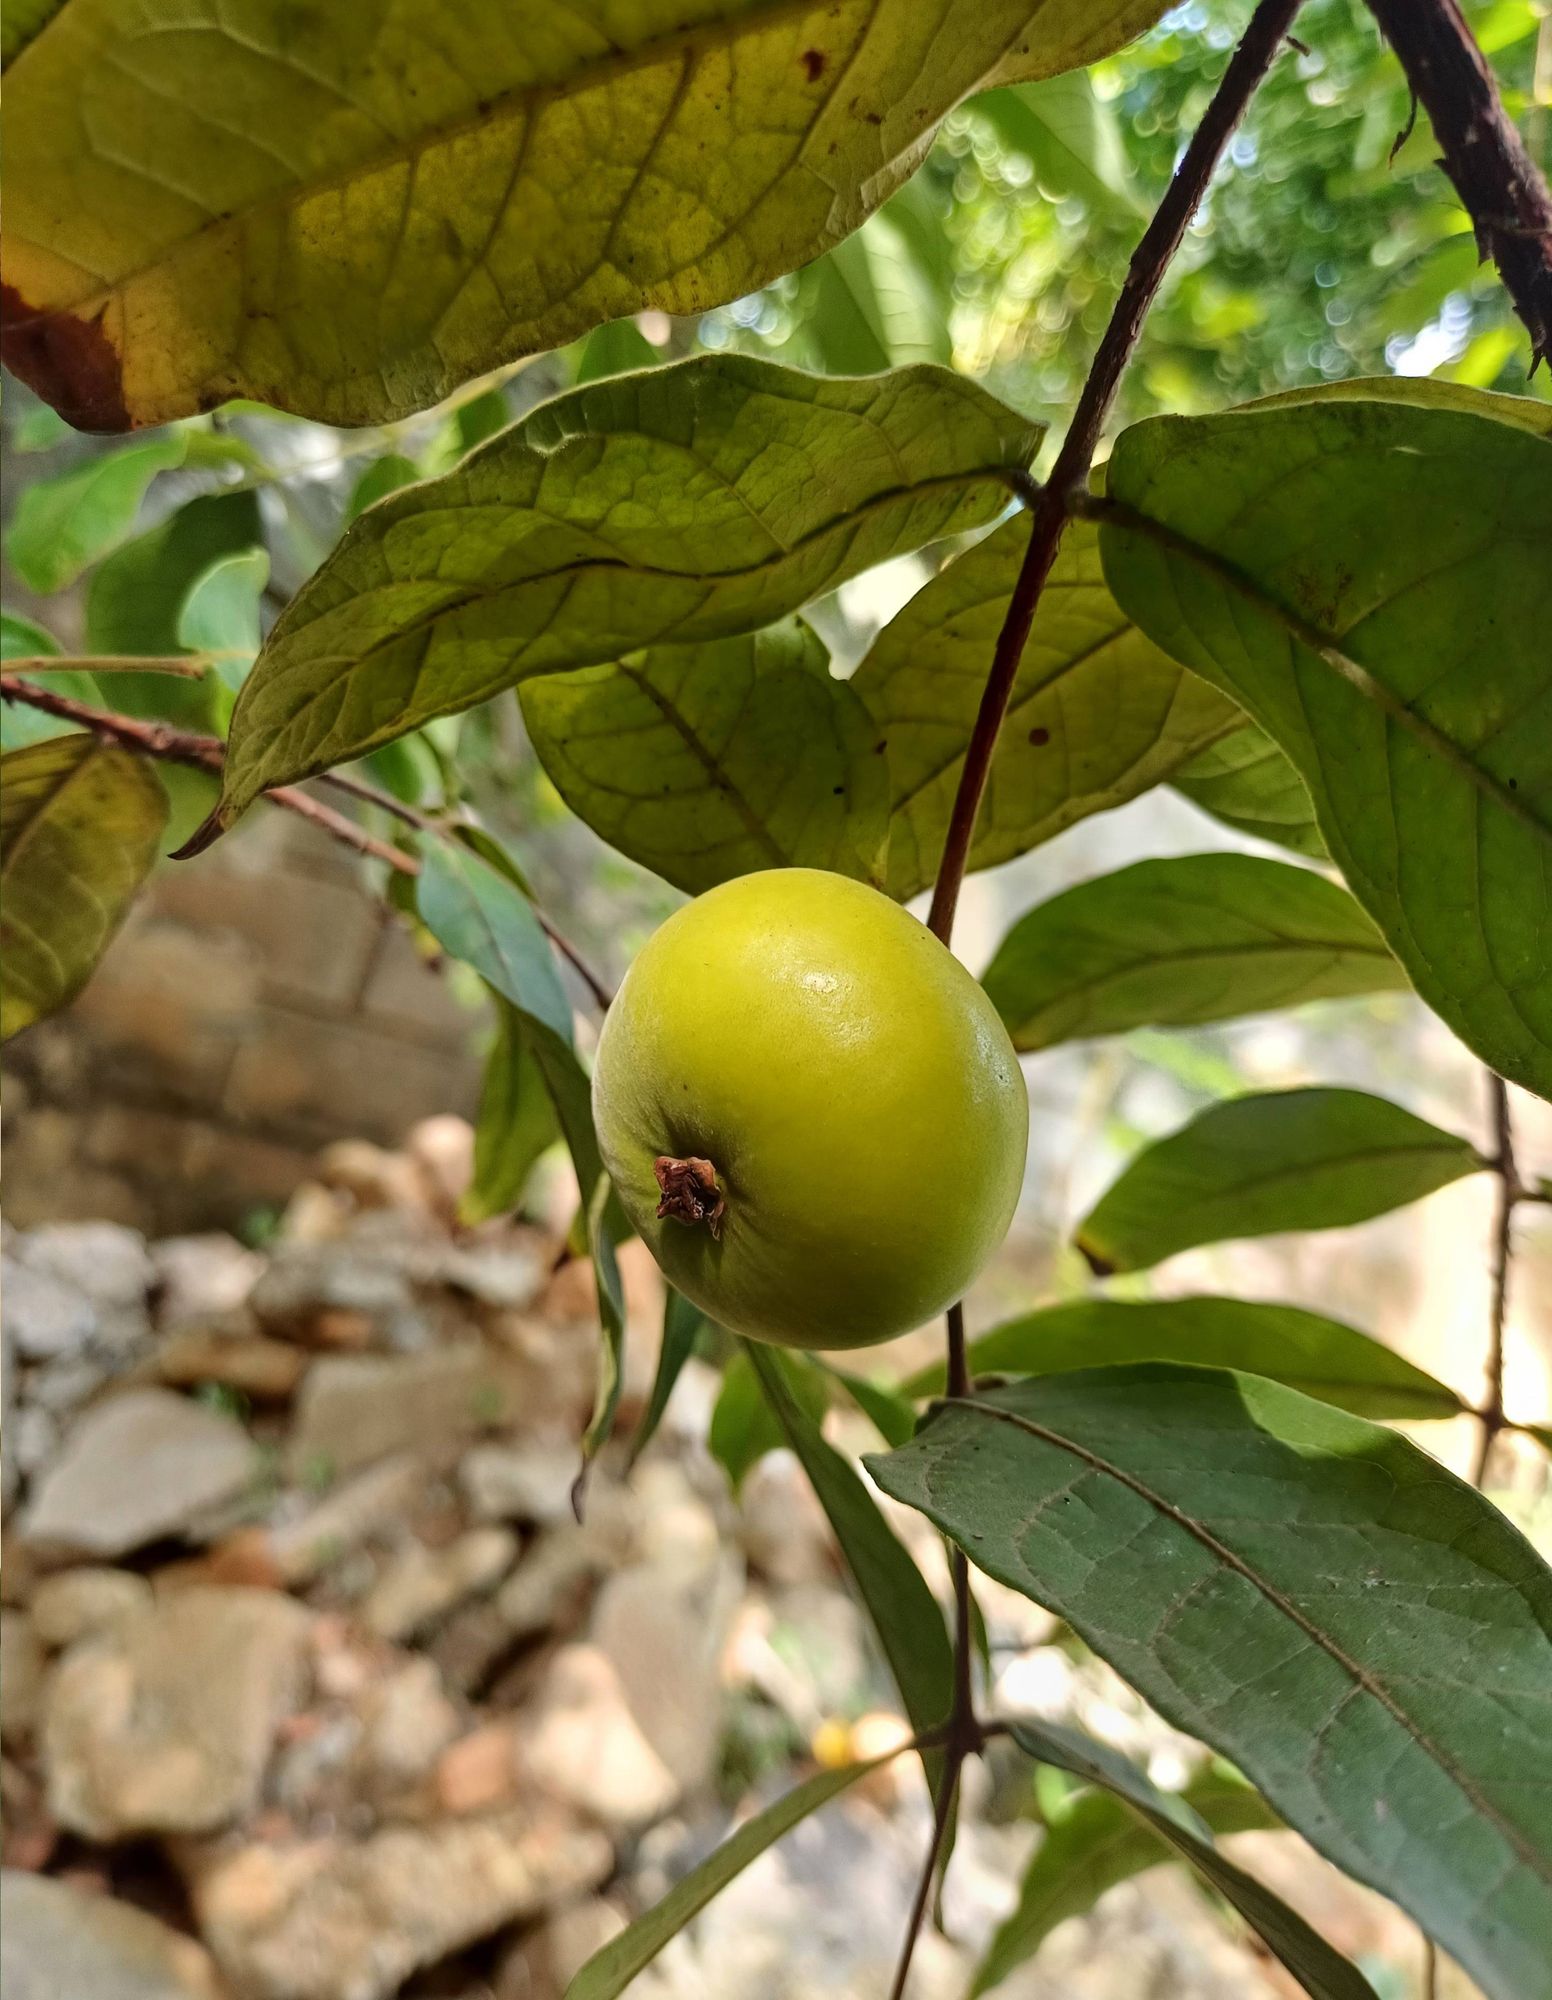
1504 191
1509 1194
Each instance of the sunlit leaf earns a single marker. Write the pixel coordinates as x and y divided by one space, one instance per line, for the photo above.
1304 1350
744 1427
704 762
1173 943
688 502
1359 1632
347 213
79 826
883 298
1068 135
1098 714
1372 580
64 524
1272 1161
1245 780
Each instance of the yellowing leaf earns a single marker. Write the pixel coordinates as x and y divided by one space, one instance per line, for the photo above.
680 504
79 824
348 210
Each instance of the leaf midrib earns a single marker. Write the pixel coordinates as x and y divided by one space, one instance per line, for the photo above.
1538 1864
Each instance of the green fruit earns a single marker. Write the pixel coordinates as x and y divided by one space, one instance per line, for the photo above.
810 1110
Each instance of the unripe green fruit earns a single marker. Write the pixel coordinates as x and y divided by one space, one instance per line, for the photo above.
810 1110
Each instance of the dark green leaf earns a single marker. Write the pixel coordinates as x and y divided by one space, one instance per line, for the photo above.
62 525
1098 714
1273 1161
688 502
1171 944
383 476
1245 780
1093 1844
516 1121
682 1324
704 762
906 1616
1320 1970
1361 1633
744 1427
610 1971
79 825
1304 1350
1373 582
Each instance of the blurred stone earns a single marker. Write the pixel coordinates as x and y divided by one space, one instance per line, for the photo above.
311 1291
62 1386
33 1437
44 1315
554 1366
479 1771
551 1576
164 1723
353 1409
420 1585
371 1175
57 1943
268 1370
544 1963
103 1260
578 1741
342 1920
353 1513
510 1275
21 1678
407 1724
79 1602
442 1149
198 1278
135 1468
782 1526
520 1482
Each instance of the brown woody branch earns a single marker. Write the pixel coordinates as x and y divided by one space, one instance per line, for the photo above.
1504 191
207 753
1511 1191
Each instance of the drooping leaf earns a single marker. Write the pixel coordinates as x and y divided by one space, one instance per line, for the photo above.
1358 1631
386 206
682 1327
1304 1350
1271 1161
1068 135
1372 580
1245 780
1320 1969
1098 714
516 1121
704 762
610 1971
1173 943
1096 1843
63 524
79 825
688 502
744 1427
906 1617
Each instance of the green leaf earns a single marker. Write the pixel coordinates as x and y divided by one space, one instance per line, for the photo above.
889 1412
62 525
1070 139
383 476
682 1325
744 1427
1319 1969
21 639
516 1121
79 825
1098 714
1373 582
689 502
1272 1161
884 297
610 1971
1303 1350
906 1616
1245 780
1361 1633
382 212
1095 1843
704 762
614 350
1171 944
220 615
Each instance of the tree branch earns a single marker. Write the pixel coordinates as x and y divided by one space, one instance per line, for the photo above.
207 753
1509 1193
1049 513
1504 191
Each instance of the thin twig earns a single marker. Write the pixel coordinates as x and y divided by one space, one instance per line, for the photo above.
1430 1970
1503 189
188 666
1509 1193
206 753
1049 513
942 1815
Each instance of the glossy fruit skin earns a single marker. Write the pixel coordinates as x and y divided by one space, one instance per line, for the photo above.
851 1084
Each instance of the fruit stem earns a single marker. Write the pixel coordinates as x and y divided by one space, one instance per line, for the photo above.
691 1192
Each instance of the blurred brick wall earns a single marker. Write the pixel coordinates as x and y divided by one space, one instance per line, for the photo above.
257 1003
